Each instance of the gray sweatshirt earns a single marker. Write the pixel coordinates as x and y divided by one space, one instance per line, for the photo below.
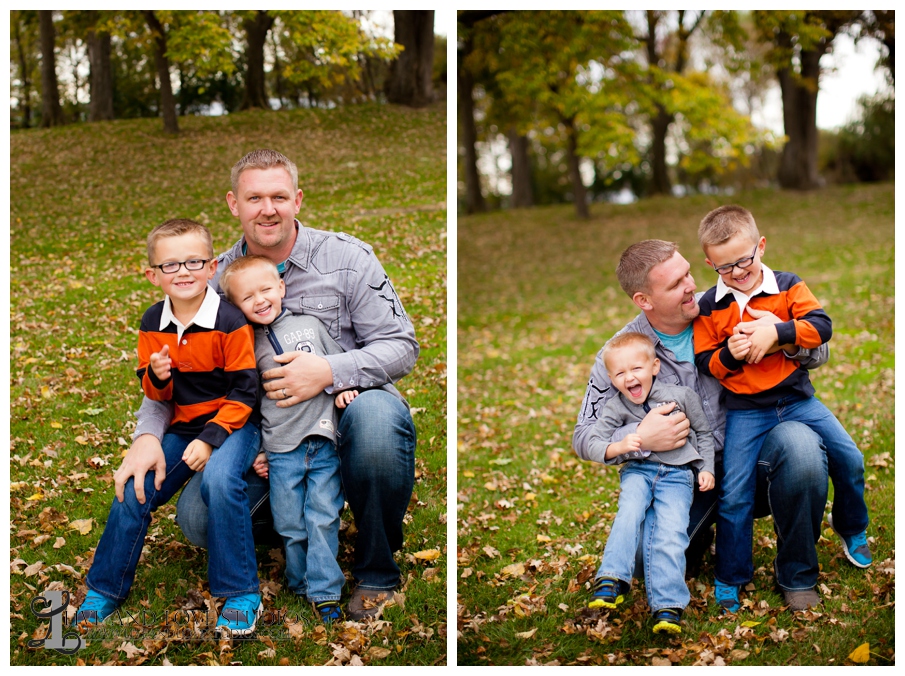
618 412
285 428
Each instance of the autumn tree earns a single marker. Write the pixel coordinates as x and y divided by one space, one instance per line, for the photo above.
410 81
51 111
24 54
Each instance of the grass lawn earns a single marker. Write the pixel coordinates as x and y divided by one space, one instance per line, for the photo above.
84 198
537 297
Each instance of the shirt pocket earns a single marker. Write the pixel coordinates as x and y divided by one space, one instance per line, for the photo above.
668 378
324 308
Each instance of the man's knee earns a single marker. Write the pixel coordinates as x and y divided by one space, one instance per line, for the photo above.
795 449
376 429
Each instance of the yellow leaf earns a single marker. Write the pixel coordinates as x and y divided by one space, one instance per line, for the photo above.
861 654
45 392
526 634
428 555
544 538
83 526
56 425
750 623
81 440
514 569
530 496
468 473
36 496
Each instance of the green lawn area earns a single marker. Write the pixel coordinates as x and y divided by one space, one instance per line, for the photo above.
537 298
84 198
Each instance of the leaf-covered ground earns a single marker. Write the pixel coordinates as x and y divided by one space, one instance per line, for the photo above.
537 297
84 198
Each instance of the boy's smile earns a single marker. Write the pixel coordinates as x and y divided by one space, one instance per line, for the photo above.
745 273
186 288
632 372
258 292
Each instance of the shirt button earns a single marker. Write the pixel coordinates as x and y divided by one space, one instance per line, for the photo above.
320 306
185 342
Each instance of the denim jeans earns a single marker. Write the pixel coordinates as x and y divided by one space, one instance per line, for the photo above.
653 511
745 431
376 444
232 568
306 497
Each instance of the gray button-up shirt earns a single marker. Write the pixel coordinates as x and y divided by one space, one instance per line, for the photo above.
338 279
672 372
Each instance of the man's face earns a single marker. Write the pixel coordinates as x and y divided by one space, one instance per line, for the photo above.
670 304
632 372
258 292
266 204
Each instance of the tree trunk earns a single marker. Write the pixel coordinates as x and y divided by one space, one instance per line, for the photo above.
522 194
474 200
51 113
25 96
798 164
578 190
660 183
256 35
167 100
410 79
101 106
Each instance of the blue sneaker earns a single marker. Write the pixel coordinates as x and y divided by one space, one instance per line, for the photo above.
94 609
329 611
239 615
608 592
726 596
855 547
668 620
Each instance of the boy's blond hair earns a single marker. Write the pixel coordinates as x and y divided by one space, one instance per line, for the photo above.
724 223
638 260
623 340
245 263
177 227
264 159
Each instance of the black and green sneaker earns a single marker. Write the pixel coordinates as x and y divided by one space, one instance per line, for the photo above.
668 620
329 611
608 592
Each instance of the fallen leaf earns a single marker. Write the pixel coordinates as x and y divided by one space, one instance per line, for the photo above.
34 568
514 569
428 555
738 655
860 655
526 634
660 662
56 425
83 526
59 543
377 653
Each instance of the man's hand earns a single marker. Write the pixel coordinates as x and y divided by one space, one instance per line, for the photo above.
739 346
197 454
764 339
261 466
661 431
161 363
303 377
706 481
144 456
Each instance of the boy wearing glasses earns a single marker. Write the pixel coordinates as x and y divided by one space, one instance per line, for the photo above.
197 353
764 388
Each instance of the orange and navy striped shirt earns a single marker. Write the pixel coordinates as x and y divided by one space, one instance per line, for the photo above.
213 383
803 322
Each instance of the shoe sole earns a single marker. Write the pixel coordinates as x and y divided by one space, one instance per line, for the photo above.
666 627
851 559
242 633
600 603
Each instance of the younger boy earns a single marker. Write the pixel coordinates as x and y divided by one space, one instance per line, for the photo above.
656 489
197 353
764 388
300 441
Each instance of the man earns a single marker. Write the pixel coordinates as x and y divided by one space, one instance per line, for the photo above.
337 279
792 472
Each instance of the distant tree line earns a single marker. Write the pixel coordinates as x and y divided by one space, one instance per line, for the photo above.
649 100
141 63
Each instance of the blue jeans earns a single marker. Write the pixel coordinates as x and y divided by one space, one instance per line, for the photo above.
653 511
376 444
306 497
745 431
232 567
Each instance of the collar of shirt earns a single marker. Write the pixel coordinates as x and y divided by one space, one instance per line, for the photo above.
205 317
767 286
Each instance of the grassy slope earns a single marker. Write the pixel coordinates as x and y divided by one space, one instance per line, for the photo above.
83 199
537 298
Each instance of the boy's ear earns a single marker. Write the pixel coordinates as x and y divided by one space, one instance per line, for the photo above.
282 289
762 245
213 268
151 274
642 300
656 369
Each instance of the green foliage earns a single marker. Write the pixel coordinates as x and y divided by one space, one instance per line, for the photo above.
78 293
537 297
866 150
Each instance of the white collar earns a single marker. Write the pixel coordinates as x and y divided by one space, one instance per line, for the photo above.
205 317
767 286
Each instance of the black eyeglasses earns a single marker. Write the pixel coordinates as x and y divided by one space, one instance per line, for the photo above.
741 263
192 265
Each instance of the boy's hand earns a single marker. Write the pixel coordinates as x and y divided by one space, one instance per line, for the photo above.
739 346
261 466
343 399
661 431
629 443
764 339
706 481
161 363
197 454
